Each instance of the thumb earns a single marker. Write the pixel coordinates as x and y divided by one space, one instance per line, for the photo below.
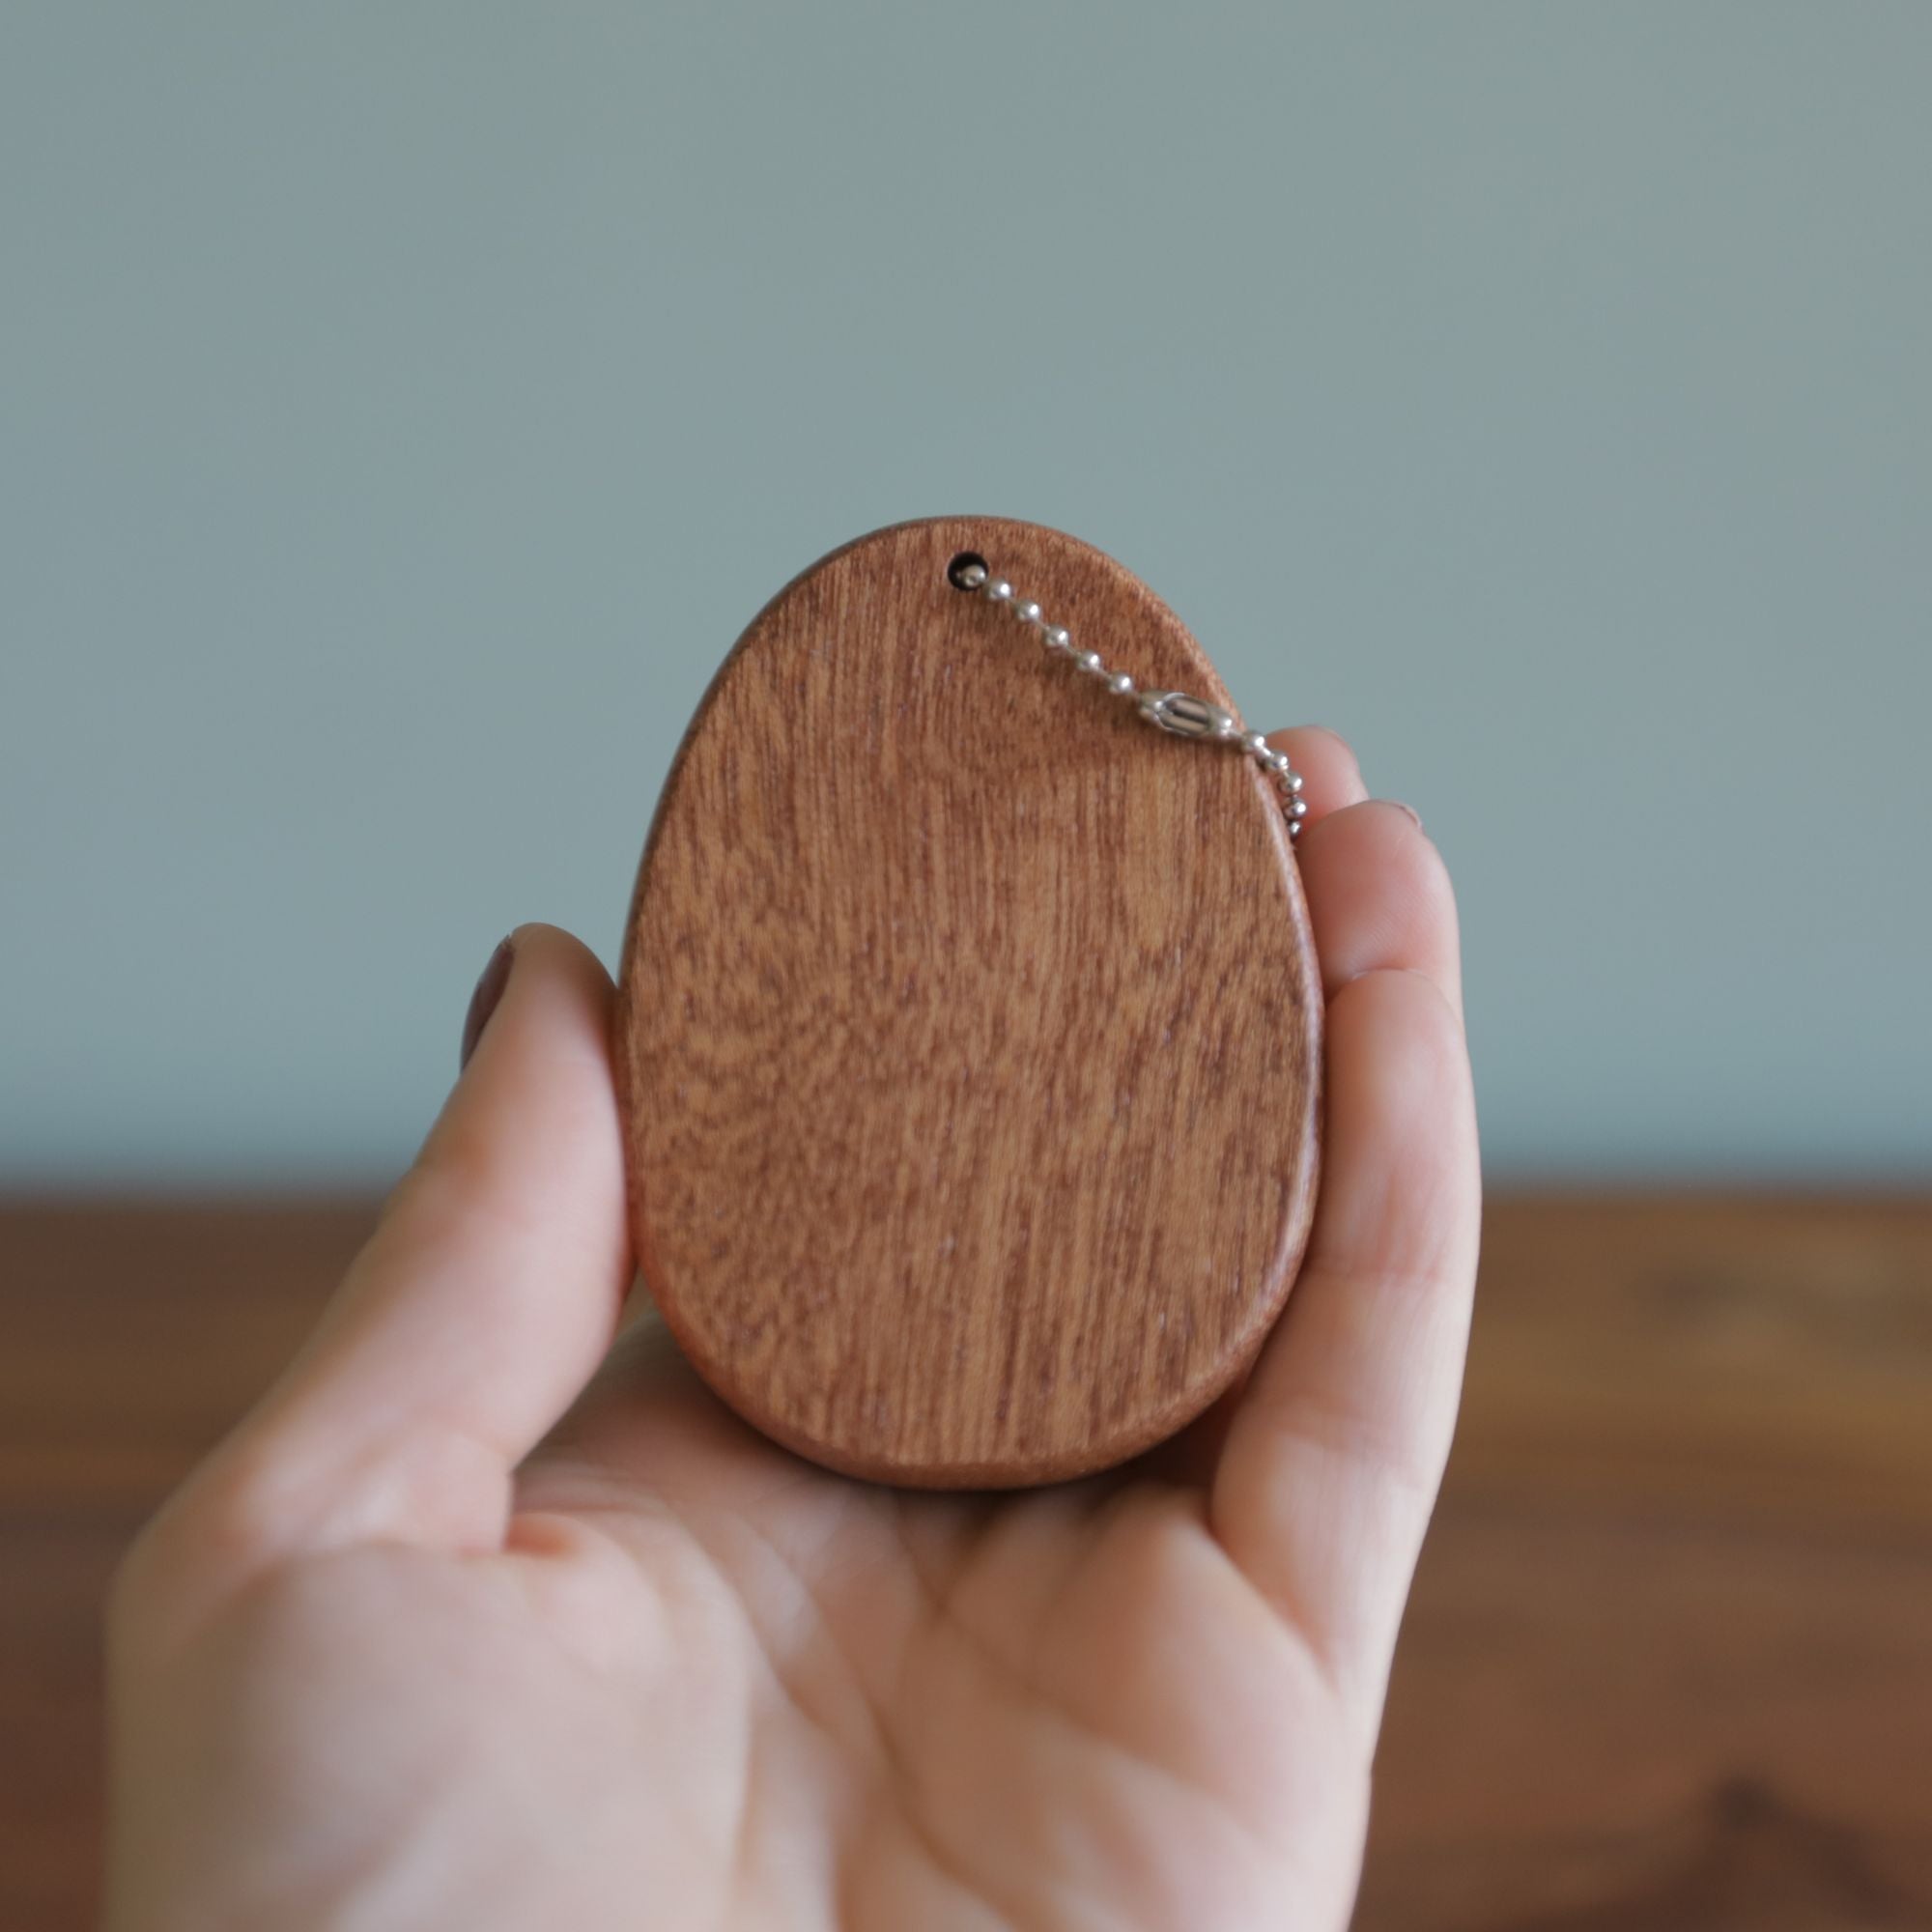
481 1305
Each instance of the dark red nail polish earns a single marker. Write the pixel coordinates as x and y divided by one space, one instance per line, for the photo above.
483 1000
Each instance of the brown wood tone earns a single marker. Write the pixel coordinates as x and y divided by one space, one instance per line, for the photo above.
130 1337
1668 1666
969 1032
1669 1661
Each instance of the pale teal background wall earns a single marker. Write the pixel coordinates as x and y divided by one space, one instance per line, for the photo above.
403 406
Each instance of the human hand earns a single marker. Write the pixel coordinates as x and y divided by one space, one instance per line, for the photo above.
462 1628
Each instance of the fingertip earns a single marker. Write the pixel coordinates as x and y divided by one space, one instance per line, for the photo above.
1332 778
1379 897
489 989
560 955
479 1307
536 1098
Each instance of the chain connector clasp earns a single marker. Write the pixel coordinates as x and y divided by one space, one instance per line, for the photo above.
1188 717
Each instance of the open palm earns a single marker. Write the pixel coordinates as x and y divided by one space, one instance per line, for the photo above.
480 1620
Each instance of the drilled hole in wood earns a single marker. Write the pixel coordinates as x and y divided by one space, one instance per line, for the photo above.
961 572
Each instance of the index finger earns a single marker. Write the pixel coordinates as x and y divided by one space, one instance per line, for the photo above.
1333 1457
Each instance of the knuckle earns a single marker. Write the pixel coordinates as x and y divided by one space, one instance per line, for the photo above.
239 1510
230 1518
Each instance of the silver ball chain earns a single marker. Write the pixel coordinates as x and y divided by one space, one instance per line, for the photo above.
1173 711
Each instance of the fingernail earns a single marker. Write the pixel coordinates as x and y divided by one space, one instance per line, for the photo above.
483 1000
1411 809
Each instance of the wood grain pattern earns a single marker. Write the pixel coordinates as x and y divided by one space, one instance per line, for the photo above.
1667 1668
970 1028
1669 1661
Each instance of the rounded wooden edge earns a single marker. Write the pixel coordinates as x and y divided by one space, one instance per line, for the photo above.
1188 1405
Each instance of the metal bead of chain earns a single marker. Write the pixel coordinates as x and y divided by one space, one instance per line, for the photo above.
1173 711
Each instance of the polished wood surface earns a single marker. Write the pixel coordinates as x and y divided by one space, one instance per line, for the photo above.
959 1005
1669 1667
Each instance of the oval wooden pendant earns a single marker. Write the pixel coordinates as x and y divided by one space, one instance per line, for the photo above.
969 1027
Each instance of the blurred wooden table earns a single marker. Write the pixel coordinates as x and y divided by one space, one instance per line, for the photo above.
1669 1662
